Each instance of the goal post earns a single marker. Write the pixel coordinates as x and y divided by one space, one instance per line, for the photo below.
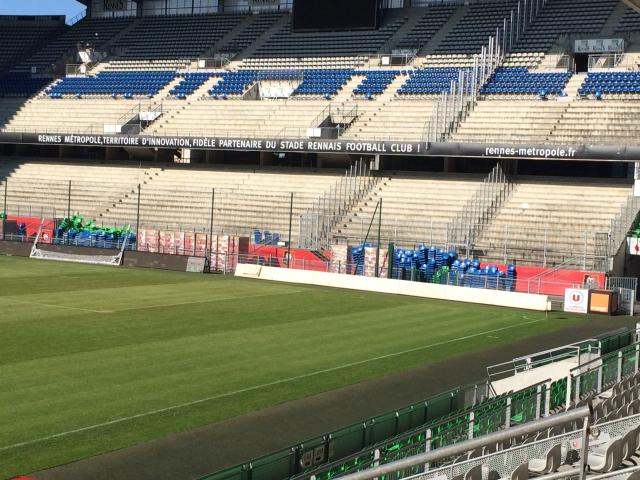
113 260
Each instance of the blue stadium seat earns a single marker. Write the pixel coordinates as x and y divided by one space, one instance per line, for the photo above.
126 84
191 82
234 83
430 81
323 82
519 80
21 84
603 83
375 82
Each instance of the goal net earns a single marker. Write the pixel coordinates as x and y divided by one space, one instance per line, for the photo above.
114 260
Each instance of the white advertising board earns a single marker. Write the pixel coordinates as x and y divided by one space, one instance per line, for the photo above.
576 300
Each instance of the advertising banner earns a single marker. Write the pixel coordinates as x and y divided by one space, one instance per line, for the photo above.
576 300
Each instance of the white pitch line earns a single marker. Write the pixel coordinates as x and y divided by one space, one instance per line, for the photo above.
258 387
51 305
218 299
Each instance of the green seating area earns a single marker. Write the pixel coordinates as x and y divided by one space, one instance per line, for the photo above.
440 421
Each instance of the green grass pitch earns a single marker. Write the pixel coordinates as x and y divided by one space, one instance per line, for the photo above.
94 359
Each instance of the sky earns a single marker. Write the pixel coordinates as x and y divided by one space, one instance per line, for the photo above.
40 7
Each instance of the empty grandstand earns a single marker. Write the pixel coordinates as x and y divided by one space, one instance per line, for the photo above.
220 136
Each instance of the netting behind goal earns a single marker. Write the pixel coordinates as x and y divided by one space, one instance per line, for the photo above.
114 260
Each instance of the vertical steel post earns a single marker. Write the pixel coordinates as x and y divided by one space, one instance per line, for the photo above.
69 201
4 210
213 199
379 235
138 216
290 224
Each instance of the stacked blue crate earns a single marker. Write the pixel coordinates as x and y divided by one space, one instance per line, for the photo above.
511 277
94 239
114 83
375 82
234 83
520 80
610 82
430 81
357 258
20 84
266 237
191 82
323 82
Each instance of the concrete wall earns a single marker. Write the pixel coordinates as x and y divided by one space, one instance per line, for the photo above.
382 285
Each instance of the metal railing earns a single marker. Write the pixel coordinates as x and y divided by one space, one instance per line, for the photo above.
405 468
455 104
317 223
610 60
479 210
621 224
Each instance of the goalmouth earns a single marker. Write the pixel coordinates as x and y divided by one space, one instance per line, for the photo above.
113 260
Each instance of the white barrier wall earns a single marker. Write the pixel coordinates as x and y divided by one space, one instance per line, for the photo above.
399 287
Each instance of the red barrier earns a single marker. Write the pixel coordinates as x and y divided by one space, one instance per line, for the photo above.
546 281
33 225
301 258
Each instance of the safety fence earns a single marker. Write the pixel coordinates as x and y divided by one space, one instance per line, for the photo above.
318 221
452 417
454 105
155 204
145 199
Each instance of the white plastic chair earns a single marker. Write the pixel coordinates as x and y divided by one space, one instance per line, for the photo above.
549 464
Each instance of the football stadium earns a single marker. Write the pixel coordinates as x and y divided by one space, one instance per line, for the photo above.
320 239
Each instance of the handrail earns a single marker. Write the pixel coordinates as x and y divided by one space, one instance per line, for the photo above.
480 208
622 222
582 413
317 222
431 425
615 354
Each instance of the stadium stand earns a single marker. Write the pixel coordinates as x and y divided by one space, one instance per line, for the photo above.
154 57
323 82
432 20
534 122
21 84
259 26
19 36
429 81
531 215
526 101
480 21
70 116
8 108
176 39
375 82
385 119
114 83
41 189
245 200
608 122
630 22
244 118
562 17
415 208
97 32
191 82
523 81
610 83
287 43
507 121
